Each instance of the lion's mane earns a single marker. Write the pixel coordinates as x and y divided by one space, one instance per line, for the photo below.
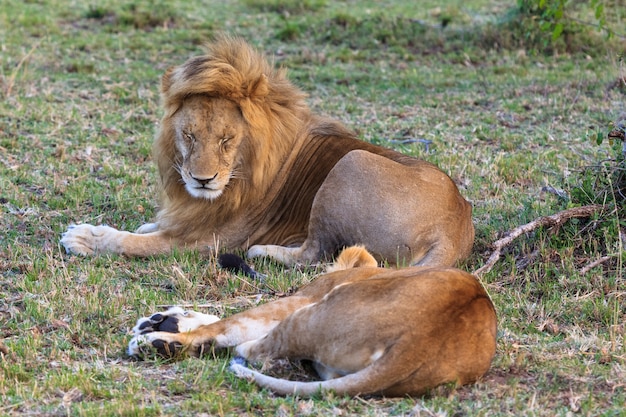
274 109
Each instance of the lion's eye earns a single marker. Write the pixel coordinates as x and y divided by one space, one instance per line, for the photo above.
225 140
189 136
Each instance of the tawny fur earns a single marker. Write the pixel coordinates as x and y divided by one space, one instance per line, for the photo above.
243 162
353 257
367 330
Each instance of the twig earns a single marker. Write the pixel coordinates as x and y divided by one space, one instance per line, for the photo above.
593 264
232 303
550 221
598 26
11 82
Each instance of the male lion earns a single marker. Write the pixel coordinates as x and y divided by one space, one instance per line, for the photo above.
243 161
367 330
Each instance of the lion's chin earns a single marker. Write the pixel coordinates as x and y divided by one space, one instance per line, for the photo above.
203 193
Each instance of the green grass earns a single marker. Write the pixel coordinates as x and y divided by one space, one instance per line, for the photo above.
508 113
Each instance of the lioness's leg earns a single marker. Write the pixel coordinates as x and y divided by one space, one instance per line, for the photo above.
85 239
344 315
174 337
176 329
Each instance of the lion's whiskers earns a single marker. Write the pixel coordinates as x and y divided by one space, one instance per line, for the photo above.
178 167
237 174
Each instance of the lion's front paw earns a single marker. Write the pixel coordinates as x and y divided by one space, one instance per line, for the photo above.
86 239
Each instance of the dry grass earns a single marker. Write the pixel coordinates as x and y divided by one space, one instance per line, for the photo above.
78 108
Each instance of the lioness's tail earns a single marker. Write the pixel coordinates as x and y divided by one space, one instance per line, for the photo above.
361 382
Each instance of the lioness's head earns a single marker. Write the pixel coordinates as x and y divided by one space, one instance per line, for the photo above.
208 135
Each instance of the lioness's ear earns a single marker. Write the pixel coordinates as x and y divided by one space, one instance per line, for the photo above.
353 257
260 88
166 79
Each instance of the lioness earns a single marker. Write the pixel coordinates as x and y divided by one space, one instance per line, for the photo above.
367 330
243 161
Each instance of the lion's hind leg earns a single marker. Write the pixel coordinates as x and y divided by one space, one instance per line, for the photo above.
285 255
147 228
355 256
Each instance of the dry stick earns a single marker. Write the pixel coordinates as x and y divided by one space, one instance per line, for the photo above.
3 349
226 303
593 264
553 220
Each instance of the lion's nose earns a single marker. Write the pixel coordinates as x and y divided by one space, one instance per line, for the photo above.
203 180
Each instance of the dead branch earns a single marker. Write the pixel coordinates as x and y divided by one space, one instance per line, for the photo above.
595 263
547 221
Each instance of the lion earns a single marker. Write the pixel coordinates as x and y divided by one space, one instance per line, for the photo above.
245 164
366 330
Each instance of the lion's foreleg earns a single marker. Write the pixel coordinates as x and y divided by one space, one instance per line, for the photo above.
85 239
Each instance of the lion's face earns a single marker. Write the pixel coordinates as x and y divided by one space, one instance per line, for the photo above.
209 132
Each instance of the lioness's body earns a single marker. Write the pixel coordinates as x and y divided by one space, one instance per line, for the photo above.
244 162
367 330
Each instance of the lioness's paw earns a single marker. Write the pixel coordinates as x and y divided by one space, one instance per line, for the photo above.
163 343
159 332
86 239
173 320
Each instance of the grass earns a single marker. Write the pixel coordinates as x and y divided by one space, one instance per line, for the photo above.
508 113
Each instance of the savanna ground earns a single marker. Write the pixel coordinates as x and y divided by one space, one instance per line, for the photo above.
512 116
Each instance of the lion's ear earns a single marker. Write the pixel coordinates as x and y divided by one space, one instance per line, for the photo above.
260 88
166 79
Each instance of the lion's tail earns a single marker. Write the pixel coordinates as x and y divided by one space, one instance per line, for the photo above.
361 382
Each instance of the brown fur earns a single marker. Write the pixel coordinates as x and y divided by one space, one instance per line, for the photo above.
275 174
367 330
353 257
